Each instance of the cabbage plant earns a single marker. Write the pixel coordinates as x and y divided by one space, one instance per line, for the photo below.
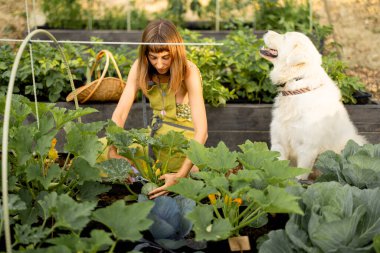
170 229
356 165
337 219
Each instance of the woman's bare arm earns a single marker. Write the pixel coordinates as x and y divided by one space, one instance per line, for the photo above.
124 105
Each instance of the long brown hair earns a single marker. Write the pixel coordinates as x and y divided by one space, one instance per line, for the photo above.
162 31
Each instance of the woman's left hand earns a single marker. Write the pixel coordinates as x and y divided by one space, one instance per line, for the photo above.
170 179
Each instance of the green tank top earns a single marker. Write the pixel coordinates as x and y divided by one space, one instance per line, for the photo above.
175 116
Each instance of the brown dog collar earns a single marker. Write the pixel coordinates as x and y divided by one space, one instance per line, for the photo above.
295 92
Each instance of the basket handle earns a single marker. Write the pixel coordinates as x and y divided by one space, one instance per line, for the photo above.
108 55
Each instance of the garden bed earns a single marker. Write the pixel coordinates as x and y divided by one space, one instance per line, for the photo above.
235 123
61 204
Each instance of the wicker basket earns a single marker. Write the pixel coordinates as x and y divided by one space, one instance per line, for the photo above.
102 89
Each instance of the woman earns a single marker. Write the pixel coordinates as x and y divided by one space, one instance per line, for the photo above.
173 86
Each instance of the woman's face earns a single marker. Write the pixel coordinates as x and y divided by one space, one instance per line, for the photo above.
160 61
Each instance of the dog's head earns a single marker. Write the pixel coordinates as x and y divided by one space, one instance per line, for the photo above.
289 52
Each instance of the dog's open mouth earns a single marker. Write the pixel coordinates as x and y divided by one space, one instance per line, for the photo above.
269 52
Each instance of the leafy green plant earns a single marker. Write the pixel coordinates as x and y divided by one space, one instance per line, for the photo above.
49 69
290 15
348 85
237 197
210 61
356 165
245 71
231 72
337 219
53 199
52 83
134 144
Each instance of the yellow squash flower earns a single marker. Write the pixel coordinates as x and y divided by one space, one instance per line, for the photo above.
227 200
53 153
239 201
212 199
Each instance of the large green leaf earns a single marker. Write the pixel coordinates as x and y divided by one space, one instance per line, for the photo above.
99 240
254 146
82 144
26 234
15 204
116 170
89 190
298 234
198 154
21 141
369 227
278 242
245 178
192 189
62 115
207 227
275 200
71 241
34 173
82 171
335 234
67 212
221 183
252 159
173 140
20 109
221 159
125 222
279 171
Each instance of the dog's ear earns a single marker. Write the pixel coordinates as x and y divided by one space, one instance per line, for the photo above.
297 56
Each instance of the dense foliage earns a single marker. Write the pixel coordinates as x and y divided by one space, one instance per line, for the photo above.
54 202
231 72
238 197
51 204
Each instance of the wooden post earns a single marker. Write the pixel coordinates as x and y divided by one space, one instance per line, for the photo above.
128 15
310 15
217 15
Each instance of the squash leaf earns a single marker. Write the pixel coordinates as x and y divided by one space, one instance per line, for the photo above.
124 221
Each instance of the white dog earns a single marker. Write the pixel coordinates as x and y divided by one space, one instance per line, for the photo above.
308 116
